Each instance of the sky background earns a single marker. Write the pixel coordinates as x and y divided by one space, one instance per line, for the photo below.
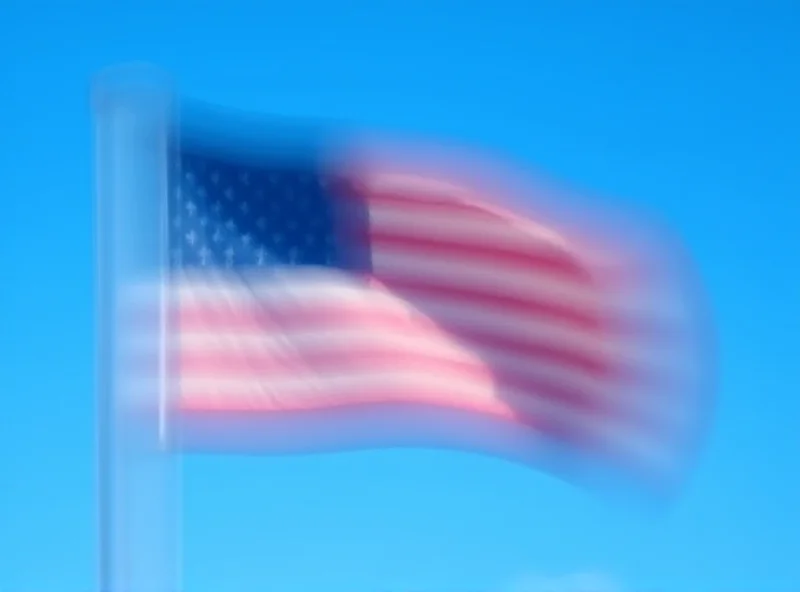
687 109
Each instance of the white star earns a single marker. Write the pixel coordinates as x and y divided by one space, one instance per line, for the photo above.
204 255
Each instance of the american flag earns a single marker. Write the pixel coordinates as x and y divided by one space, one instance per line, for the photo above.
302 285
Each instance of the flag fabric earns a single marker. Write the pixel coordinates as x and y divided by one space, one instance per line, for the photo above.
305 283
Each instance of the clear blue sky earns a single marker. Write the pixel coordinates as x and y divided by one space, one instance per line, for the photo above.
689 109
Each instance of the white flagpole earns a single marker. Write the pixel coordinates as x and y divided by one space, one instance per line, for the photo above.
138 479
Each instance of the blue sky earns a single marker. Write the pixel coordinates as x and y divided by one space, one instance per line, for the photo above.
688 109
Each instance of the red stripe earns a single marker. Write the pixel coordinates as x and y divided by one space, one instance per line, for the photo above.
417 290
255 365
535 259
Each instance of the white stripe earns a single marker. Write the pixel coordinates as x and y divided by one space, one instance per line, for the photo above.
279 287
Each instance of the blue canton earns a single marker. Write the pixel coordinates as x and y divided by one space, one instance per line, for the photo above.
234 214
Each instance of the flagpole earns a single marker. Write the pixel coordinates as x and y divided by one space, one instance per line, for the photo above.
137 473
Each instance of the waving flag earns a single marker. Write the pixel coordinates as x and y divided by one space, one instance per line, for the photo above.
326 300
